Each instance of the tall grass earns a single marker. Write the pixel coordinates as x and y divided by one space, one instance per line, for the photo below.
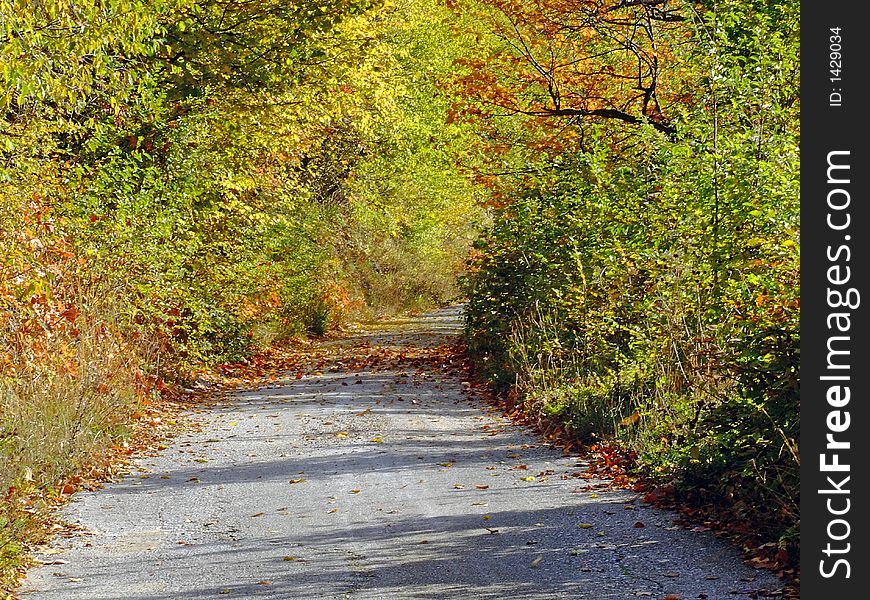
62 406
554 384
65 393
720 427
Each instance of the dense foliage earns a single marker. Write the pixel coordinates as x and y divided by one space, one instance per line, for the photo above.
640 279
185 181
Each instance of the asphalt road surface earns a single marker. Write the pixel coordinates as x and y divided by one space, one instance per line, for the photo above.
386 480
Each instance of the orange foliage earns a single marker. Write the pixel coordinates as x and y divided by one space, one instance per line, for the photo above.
560 63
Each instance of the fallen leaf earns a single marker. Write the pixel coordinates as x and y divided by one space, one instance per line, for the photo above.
289 558
458 486
300 480
480 486
528 478
376 440
673 597
355 491
759 562
538 560
639 525
341 435
259 514
584 525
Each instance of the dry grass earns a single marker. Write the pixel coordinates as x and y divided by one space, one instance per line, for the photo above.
64 397
556 385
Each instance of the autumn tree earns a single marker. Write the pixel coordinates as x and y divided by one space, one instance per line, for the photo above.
580 60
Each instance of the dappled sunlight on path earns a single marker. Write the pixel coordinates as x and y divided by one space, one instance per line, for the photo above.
376 474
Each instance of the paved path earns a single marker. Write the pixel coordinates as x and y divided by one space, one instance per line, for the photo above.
375 477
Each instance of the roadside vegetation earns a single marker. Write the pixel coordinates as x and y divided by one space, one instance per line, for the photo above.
639 284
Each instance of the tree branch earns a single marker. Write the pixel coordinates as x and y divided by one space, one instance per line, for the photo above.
606 113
